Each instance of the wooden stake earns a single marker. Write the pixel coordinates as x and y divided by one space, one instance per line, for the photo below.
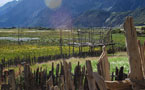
104 66
141 51
11 80
68 77
100 81
91 80
136 72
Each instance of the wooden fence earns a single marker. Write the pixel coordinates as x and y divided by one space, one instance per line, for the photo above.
84 78
33 60
62 78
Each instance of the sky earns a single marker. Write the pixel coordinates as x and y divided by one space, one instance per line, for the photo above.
2 2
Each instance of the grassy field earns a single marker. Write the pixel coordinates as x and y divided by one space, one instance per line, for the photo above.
10 52
119 39
48 43
117 60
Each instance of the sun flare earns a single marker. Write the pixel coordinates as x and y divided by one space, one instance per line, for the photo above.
53 4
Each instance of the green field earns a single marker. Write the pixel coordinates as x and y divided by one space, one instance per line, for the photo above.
13 51
119 39
48 44
117 60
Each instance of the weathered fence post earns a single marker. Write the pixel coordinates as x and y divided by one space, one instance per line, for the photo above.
69 85
91 80
95 81
141 51
103 66
27 77
136 73
49 83
11 80
1 72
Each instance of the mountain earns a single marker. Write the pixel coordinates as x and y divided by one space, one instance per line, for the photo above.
21 13
7 7
95 18
78 13
118 18
92 18
126 5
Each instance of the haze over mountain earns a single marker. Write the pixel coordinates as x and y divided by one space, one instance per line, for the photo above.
3 2
68 13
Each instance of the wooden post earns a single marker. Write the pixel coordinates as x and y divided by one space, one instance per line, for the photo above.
68 77
136 73
57 74
1 72
143 60
61 52
49 83
99 81
95 81
72 32
141 51
104 66
79 40
11 80
91 80
69 35
62 82
78 77
27 77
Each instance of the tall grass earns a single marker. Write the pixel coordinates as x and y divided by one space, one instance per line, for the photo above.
118 60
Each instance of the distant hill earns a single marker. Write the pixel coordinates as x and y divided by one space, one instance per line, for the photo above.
79 13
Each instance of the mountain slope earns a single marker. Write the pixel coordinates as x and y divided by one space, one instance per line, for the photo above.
118 18
92 18
102 18
126 5
19 14
7 7
83 13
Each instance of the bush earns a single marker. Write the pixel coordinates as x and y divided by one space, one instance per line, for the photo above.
143 28
114 31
